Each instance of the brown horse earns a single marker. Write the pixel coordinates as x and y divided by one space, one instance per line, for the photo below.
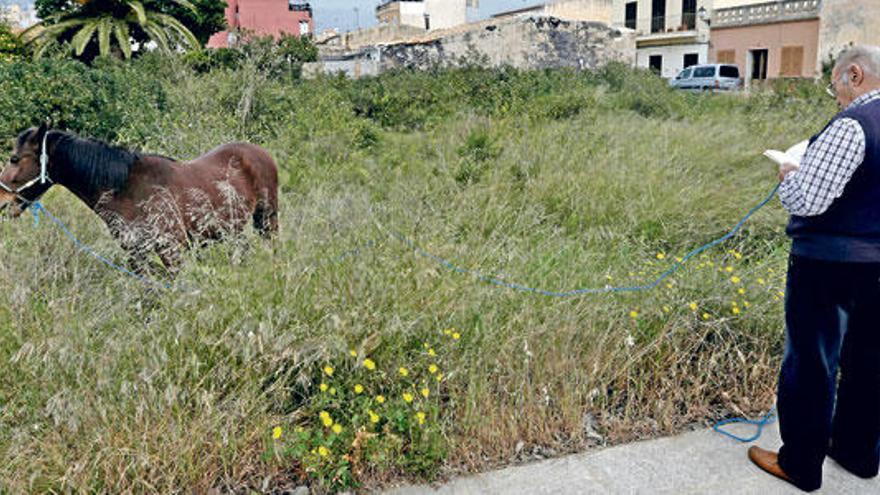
151 204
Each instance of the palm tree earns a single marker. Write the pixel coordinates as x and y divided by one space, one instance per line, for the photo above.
108 24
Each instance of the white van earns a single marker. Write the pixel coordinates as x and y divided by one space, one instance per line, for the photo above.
708 76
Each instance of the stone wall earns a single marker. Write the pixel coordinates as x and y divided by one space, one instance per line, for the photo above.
846 22
523 42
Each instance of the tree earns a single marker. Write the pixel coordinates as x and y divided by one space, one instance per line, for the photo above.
207 18
106 27
10 45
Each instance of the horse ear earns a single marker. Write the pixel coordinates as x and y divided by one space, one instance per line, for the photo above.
37 137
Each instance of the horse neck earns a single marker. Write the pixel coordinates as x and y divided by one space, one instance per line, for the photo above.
61 167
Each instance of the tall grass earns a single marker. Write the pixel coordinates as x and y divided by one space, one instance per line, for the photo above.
558 180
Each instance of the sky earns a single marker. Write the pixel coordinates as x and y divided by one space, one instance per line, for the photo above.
340 13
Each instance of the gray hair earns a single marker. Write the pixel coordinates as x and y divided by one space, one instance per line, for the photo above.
865 56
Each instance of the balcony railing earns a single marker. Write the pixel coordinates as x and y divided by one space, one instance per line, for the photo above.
658 24
689 21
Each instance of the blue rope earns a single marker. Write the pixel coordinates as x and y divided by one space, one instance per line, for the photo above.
768 419
577 292
37 209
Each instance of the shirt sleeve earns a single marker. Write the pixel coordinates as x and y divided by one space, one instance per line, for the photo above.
827 167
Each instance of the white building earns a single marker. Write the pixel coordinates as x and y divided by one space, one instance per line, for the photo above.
670 34
424 14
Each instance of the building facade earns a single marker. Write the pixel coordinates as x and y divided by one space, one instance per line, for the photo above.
847 22
768 40
574 10
670 34
264 18
425 14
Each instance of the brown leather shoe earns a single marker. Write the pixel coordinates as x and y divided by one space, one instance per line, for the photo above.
769 462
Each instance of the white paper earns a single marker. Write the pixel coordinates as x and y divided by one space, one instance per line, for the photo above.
793 155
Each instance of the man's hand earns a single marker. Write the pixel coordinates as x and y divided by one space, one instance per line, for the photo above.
786 169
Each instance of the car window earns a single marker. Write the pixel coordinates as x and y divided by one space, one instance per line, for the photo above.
729 71
684 74
704 72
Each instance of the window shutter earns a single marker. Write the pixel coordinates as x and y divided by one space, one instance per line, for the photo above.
792 61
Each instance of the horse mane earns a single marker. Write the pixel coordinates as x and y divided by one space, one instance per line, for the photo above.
93 164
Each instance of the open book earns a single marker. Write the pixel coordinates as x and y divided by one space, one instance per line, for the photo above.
793 155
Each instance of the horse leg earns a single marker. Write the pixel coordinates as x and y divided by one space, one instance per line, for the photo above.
266 218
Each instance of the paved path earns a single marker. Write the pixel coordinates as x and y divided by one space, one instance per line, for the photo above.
700 462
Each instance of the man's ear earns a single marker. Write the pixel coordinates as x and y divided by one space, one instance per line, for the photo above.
856 75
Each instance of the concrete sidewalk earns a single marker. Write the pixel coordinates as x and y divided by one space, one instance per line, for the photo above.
700 462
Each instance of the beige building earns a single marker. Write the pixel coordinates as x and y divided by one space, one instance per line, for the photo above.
573 10
670 34
767 40
425 14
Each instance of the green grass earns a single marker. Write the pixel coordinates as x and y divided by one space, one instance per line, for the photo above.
107 387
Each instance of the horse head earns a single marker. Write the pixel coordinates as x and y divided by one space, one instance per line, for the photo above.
25 179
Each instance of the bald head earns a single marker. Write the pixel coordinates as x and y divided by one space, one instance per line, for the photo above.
856 72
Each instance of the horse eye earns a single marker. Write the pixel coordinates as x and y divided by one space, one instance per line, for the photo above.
14 159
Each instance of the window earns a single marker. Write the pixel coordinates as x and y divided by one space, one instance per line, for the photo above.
689 14
729 71
632 9
303 28
685 74
708 71
691 59
792 61
658 16
655 63
427 22
726 56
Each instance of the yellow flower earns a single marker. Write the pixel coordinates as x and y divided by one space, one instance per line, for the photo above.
761 281
448 331
327 421
426 392
380 399
668 285
734 303
661 256
407 397
276 432
666 309
736 255
693 306
323 414
374 418
337 428
781 294
323 387
679 259
706 316
633 314
775 298
735 279
746 304
432 368
608 278
403 371
439 377
323 452
456 335
741 290
735 310
332 390
425 345
353 353
431 352
728 269
358 389
328 370
421 417
369 364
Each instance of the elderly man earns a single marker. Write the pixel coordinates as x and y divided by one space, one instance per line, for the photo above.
833 289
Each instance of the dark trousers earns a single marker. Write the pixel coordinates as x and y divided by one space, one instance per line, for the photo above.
832 318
